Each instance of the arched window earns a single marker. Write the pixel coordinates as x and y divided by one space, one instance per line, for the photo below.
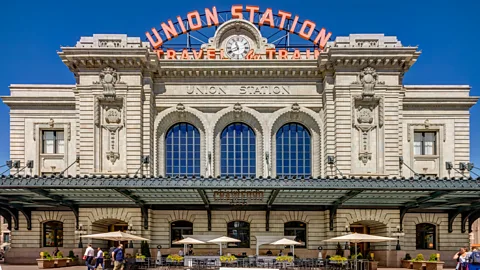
239 230
297 229
293 151
237 145
178 229
182 150
426 236
53 234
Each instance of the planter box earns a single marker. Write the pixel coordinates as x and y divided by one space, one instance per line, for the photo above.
435 265
418 265
43 263
407 264
372 265
71 262
61 262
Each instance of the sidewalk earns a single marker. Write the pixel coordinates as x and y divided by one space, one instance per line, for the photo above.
34 267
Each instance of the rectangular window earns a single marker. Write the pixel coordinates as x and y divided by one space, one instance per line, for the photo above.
6 238
425 143
53 142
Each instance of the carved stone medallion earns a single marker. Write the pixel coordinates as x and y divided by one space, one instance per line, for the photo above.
113 116
365 116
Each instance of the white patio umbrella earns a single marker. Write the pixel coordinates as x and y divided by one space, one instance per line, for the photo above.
115 236
286 242
188 241
359 238
223 239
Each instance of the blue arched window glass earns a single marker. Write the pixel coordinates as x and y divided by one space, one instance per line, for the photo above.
237 145
293 151
182 150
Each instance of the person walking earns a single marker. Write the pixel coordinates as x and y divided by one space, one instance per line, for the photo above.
88 257
119 259
99 259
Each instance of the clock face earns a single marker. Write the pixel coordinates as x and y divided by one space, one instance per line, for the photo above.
237 47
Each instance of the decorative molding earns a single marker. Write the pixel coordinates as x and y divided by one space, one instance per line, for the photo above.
368 78
66 126
427 126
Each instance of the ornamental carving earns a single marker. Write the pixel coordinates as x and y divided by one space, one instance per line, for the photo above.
295 111
365 116
368 78
181 109
113 116
108 79
237 109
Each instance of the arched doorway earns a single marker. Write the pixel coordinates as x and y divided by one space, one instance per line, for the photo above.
108 225
369 227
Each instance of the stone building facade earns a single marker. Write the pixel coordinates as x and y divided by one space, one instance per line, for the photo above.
359 117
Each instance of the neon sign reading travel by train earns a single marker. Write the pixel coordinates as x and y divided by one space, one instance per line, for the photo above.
281 20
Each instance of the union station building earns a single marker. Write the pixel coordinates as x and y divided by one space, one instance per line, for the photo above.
304 143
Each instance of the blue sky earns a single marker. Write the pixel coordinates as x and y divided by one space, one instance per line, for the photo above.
445 31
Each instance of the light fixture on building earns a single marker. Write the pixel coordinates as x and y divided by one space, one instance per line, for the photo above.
470 166
330 160
398 233
462 166
448 165
130 230
80 231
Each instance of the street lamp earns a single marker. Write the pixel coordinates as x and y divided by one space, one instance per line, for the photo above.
347 231
80 231
398 233
131 231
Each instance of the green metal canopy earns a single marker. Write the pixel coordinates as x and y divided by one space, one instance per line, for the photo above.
453 196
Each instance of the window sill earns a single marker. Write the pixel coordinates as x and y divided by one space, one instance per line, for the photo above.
426 156
52 155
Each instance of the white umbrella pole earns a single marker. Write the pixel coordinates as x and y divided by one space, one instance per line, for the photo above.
356 256
221 249
293 250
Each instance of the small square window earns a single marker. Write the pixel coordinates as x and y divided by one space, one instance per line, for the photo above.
425 143
53 142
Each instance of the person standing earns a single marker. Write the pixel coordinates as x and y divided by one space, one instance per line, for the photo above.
88 256
180 252
119 258
99 259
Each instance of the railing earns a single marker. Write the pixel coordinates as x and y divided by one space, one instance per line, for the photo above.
251 262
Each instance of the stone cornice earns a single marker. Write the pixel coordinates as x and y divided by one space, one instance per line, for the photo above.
38 101
440 102
239 68
82 58
401 58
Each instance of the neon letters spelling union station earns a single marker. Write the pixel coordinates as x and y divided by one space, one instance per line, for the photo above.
240 132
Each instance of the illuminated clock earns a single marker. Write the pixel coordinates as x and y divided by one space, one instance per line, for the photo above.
237 47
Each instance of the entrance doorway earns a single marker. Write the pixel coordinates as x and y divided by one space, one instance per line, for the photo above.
108 225
362 248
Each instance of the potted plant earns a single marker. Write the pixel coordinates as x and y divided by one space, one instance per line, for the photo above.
228 259
175 258
338 259
140 258
407 261
71 259
45 260
60 261
372 264
434 263
418 262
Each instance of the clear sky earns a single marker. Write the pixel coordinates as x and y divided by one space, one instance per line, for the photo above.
447 33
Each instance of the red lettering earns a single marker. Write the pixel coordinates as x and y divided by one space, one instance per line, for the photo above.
267 17
322 38
182 26
156 44
282 54
198 55
194 25
169 30
270 53
237 12
212 16
307 24
294 24
252 10
185 54
211 54
296 54
284 15
171 54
